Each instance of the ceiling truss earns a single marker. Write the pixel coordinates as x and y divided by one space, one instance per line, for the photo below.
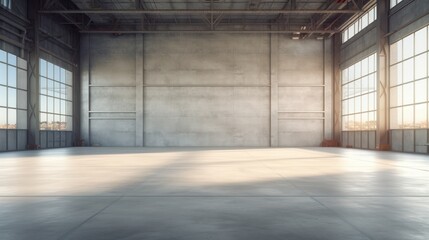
308 18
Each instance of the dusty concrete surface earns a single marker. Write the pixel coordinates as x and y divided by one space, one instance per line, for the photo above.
197 193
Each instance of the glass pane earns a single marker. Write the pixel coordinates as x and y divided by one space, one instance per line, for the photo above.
371 100
408 46
69 108
351 105
345 76
69 93
11 97
346 91
62 123
50 88
3 74
3 96
11 59
365 85
50 70
358 87
421 66
365 67
57 106
408 117
408 94
345 109
50 122
371 16
358 103
43 121
11 118
396 52
358 70
392 3
421 116
63 91
50 105
56 89
63 75
69 78
365 21
55 122
396 96
364 124
43 103
408 70
43 68
372 64
11 76
421 41
396 74
396 118
358 122
43 83
57 76
372 86
351 73
3 55
365 103
3 121
63 107
420 91
372 121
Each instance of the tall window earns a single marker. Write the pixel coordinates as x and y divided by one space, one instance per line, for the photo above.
394 3
359 90
56 107
13 92
409 81
6 3
366 19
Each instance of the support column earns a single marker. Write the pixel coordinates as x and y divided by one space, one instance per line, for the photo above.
274 90
33 123
327 89
337 87
85 74
139 91
382 137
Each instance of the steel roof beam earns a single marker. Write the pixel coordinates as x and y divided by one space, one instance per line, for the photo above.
205 31
200 11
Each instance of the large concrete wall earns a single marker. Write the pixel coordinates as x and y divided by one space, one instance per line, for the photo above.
205 90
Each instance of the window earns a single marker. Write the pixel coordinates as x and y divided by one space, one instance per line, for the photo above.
409 86
56 106
6 3
359 94
360 24
394 3
13 92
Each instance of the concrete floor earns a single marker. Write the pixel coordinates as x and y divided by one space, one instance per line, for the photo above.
195 193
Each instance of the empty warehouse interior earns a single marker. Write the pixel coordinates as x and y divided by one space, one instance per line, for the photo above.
214 119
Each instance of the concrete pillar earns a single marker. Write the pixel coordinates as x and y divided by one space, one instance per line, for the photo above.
139 91
85 74
274 90
382 136
327 89
33 123
337 87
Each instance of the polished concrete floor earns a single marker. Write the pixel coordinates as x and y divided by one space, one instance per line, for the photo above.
195 193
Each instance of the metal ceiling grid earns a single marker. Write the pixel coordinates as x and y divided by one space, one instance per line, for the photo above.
306 17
